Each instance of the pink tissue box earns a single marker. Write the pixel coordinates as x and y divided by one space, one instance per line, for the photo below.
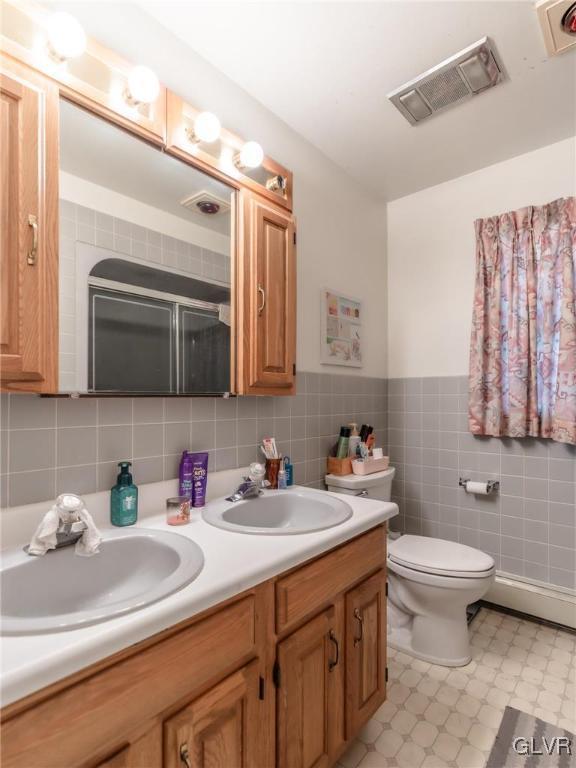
368 466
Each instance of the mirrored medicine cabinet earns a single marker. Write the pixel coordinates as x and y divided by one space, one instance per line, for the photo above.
146 258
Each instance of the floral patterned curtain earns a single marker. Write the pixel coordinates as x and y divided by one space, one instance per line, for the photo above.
523 346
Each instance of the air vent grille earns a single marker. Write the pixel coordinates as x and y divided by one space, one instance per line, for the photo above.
467 73
444 89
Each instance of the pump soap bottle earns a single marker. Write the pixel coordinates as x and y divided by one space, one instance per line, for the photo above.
124 498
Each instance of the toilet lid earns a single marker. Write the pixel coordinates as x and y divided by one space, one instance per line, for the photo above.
447 558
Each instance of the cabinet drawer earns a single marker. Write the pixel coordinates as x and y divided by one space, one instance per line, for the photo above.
313 585
73 726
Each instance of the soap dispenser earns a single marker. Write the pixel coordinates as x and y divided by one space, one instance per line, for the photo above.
124 498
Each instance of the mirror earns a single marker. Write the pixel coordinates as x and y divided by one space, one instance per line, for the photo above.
145 266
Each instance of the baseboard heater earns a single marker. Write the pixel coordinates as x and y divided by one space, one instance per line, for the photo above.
544 602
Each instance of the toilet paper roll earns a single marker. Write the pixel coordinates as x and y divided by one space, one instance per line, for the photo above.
477 487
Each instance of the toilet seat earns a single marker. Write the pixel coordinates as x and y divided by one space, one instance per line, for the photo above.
440 557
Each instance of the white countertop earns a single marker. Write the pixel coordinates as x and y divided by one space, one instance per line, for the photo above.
233 563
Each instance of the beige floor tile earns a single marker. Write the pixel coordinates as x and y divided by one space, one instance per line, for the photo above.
440 717
424 734
470 757
370 732
389 743
447 746
375 760
353 755
410 755
458 725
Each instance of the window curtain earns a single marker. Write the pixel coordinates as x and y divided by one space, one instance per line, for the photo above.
523 347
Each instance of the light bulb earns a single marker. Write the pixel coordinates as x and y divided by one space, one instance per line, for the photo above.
143 85
251 155
206 127
66 38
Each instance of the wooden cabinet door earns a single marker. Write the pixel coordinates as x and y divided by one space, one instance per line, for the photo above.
309 694
144 752
28 229
266 299
219 729
365 650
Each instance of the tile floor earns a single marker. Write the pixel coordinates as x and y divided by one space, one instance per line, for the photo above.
436 716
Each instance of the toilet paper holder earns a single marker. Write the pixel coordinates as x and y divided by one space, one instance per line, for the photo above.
492 486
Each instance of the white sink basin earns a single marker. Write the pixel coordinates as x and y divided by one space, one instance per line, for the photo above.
279 513
61 590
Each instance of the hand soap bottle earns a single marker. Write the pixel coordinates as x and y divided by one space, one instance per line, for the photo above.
124 498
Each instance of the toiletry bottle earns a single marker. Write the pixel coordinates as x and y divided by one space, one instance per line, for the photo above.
124 498
354 441
185 475
343 440
289 471
282 476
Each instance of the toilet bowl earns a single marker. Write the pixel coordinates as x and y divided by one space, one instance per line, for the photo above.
430 583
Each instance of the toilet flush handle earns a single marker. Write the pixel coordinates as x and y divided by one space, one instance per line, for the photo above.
363 492
360 620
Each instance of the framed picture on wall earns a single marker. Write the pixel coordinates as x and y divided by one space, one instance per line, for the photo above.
341 329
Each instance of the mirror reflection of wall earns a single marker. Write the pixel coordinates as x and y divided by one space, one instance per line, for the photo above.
145 266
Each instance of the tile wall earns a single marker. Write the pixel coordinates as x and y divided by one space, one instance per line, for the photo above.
49 445
529 527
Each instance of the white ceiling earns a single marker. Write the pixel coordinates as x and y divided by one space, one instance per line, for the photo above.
325 69
105 155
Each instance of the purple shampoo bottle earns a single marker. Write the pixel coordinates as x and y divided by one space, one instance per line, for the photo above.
185 475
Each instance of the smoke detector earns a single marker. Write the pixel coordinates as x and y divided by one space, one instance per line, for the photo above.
558 21
207 203
466 74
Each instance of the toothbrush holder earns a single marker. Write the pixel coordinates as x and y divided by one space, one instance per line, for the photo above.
272 469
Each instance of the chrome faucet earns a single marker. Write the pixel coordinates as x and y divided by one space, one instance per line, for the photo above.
248 489
70 532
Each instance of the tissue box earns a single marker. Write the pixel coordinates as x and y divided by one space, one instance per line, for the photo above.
368 466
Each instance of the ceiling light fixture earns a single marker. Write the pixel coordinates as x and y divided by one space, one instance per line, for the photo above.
143 86
66 38
206 128
250 156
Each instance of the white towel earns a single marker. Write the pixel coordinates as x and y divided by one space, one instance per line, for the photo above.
44 538
89 543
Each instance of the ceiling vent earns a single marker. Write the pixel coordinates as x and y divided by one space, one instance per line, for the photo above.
207 203
463 75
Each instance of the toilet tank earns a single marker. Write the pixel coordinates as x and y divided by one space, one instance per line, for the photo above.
375 486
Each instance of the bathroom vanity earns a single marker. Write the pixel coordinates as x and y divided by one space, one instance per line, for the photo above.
283 673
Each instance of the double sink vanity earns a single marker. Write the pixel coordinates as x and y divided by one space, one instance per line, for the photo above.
161 263
255 636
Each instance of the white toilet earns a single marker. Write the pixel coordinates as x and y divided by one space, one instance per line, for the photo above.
430 583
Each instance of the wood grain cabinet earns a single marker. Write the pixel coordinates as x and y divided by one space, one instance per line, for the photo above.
266 298
143 752
306 691
28 229
218 730
229 688
365 651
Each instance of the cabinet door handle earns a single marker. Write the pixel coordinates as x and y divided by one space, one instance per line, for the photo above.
33 252
262 293
185 755
360 620
334 662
